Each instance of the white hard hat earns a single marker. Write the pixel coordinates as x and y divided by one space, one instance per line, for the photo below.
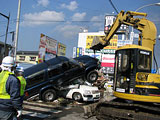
8 61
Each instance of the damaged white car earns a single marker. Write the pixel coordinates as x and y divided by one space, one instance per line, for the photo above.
79 92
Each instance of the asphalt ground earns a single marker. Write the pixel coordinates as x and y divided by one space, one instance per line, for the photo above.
35 110
62 109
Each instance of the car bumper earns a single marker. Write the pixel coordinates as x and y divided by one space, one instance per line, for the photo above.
94 97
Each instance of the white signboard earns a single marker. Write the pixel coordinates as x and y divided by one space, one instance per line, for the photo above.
108 60
47 48
124 42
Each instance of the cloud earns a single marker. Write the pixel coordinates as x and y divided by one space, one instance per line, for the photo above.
78 16
72 6
97 20
68 30
44 3
45 17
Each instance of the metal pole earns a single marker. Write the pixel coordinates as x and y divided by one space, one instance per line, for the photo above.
13 44
6 36
4 53
17 29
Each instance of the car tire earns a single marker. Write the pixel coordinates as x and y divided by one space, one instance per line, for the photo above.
77 96
49 95
92 76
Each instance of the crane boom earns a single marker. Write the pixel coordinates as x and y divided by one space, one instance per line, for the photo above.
147 28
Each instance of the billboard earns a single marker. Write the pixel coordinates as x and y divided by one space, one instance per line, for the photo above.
97 55
78 51
109 20
113 41
90 38
124 42
108 60
61 51
47 48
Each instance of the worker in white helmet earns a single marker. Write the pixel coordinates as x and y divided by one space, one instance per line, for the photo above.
10 101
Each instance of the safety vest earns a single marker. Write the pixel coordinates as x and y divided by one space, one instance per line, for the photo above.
23 84
3 80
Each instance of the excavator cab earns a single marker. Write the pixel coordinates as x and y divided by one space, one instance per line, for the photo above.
133 79
128 63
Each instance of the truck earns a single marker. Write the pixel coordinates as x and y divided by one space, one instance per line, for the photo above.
136 89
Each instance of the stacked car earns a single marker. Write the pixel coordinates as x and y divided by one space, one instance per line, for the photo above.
47 79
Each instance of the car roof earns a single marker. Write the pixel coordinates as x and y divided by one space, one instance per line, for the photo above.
85 58
41 66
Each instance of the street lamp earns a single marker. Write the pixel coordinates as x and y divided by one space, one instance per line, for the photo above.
158 37
8 17
157 4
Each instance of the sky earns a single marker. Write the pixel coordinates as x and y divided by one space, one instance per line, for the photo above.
62 20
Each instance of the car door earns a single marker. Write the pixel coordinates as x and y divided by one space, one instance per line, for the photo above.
56 74
35 82
72 70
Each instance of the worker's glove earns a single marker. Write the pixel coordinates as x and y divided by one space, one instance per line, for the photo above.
19 113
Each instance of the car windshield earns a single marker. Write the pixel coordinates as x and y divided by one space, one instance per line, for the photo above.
74 61
78 81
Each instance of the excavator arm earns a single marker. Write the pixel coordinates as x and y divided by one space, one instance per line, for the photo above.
147 28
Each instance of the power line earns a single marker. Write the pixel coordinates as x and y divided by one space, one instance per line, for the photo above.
60 20
5 34
2 35
113 6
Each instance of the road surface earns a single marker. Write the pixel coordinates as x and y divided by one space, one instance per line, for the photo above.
47 111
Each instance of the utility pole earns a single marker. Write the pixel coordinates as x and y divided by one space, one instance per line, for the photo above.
17 29
13 43
8 17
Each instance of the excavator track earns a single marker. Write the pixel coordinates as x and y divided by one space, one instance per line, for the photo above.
114 110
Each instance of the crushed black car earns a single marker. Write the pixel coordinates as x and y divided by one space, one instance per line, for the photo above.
91 66
45 79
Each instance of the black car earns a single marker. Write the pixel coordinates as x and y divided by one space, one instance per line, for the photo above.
46 79
91 66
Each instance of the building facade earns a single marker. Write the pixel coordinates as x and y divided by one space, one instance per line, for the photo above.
27 57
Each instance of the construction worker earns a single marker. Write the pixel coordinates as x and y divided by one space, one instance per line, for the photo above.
10 100
19 73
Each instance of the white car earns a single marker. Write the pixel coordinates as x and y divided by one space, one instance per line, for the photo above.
83 93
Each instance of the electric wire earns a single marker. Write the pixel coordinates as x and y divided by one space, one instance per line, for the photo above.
113 6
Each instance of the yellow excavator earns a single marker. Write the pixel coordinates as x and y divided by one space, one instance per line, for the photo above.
136 89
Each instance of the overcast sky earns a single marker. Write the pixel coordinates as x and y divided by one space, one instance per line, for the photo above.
64 19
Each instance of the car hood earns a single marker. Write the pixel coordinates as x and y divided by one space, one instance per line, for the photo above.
87 87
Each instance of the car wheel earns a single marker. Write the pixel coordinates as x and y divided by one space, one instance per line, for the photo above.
49 95
92 76
77 96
